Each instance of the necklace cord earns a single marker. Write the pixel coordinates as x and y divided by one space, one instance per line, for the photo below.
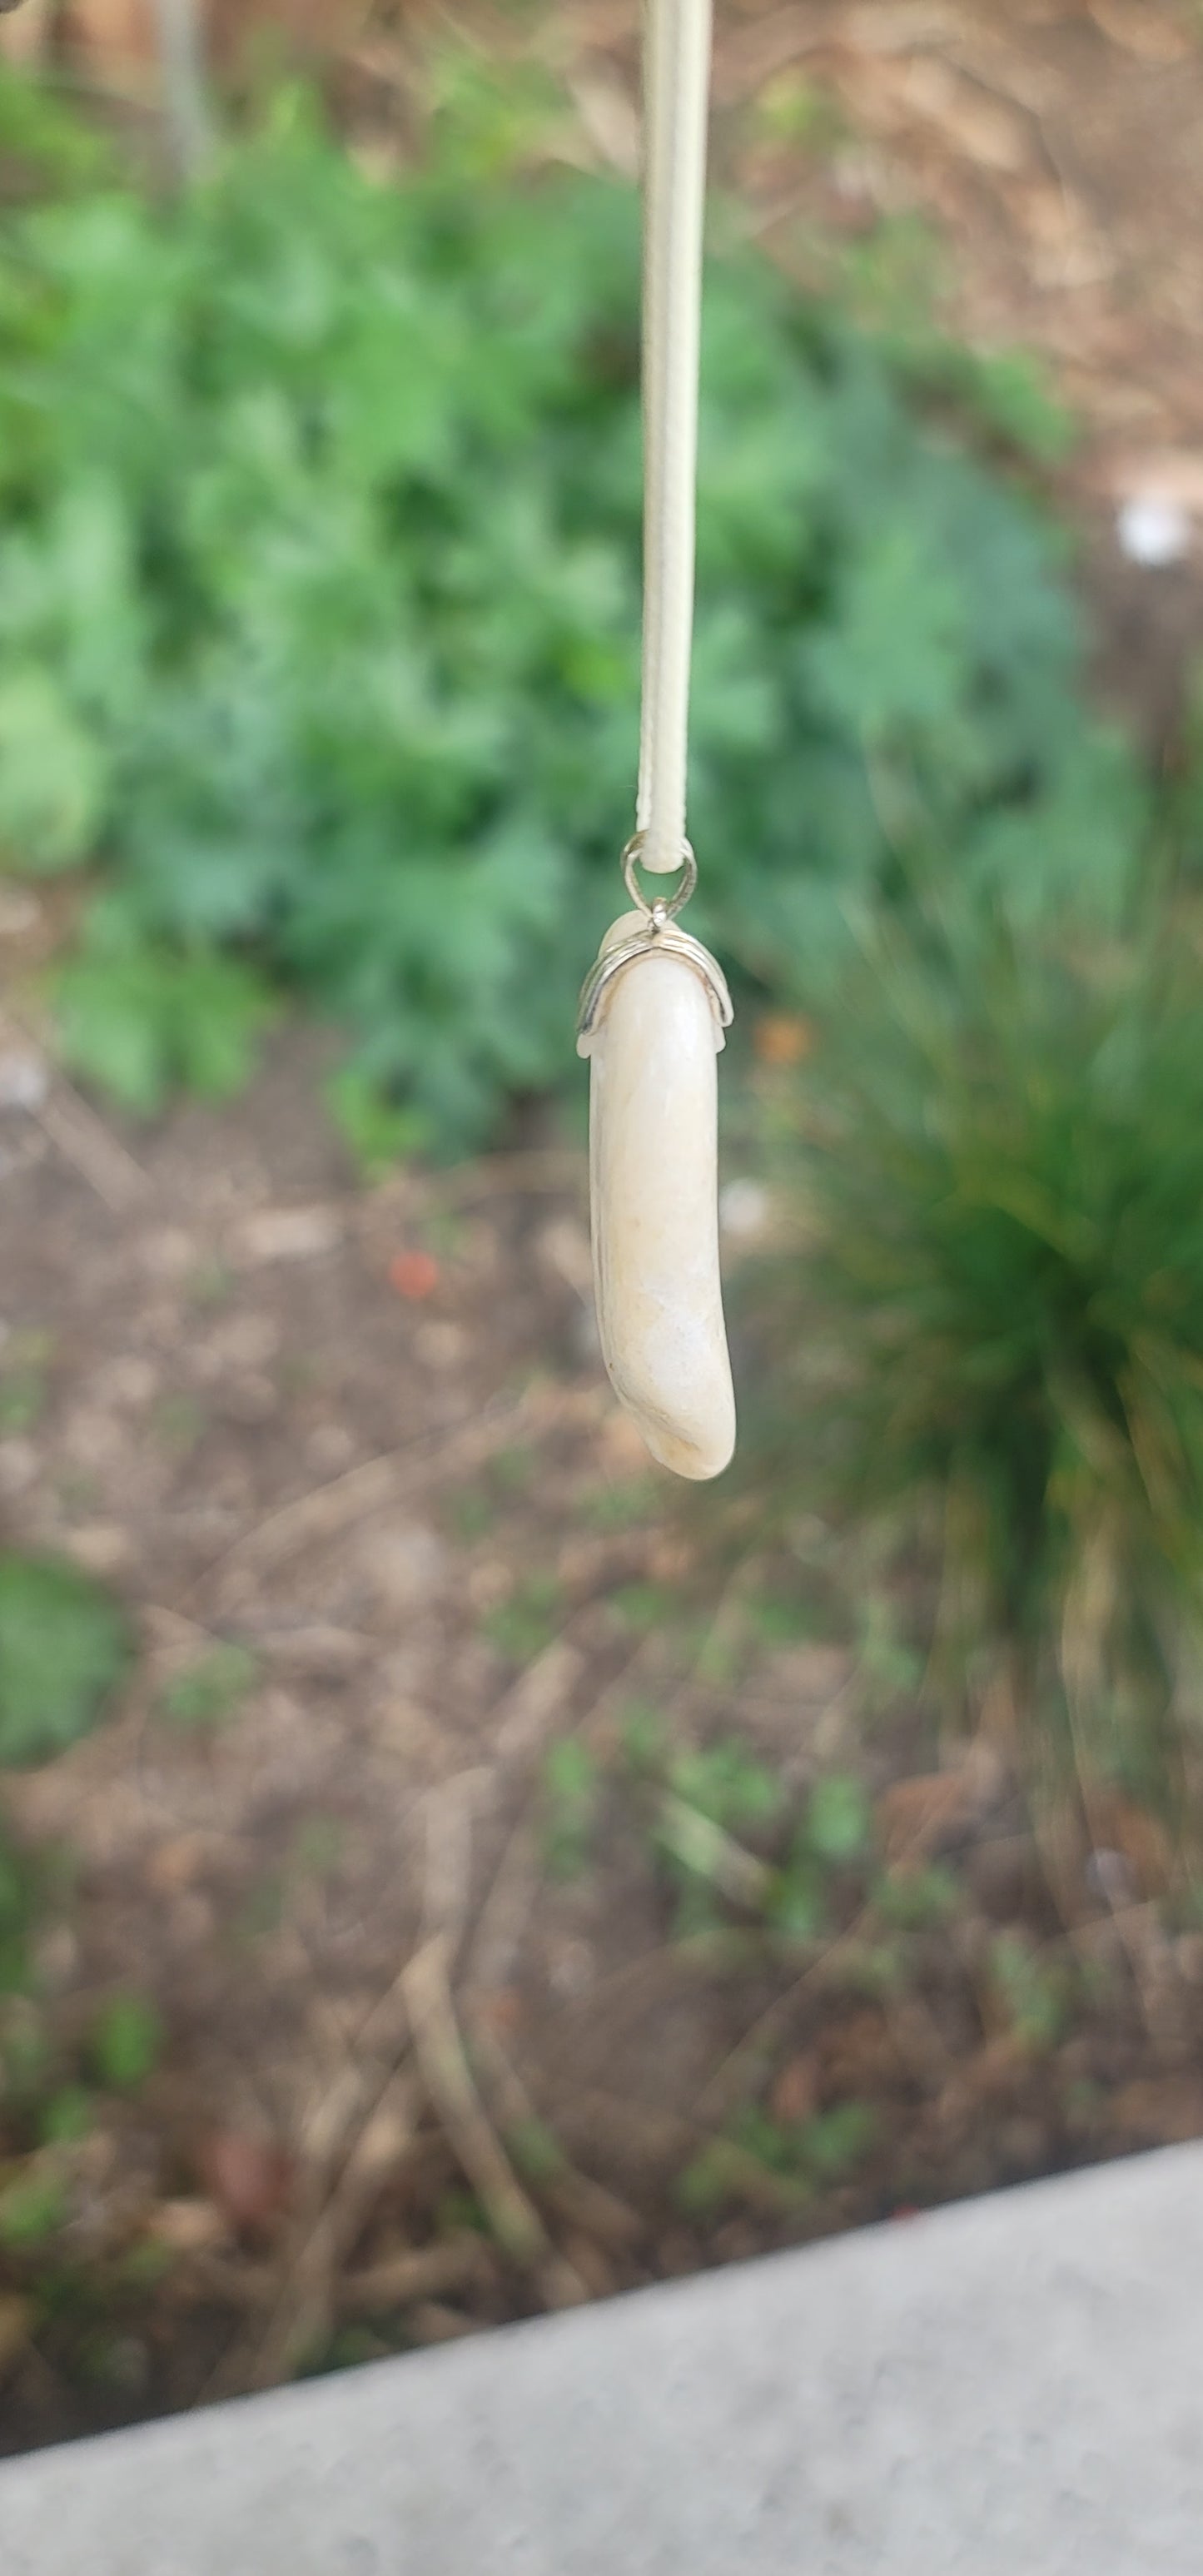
676 92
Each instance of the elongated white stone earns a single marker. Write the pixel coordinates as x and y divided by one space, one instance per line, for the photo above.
653 1163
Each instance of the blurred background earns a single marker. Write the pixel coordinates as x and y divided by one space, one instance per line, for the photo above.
446 1870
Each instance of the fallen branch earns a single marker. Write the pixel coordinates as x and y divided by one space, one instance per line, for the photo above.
448 2079
446 2074
329 1509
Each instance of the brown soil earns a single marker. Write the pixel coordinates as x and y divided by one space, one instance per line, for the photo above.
444 1553
416 2079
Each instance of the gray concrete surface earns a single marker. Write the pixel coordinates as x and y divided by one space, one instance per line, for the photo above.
1010 2388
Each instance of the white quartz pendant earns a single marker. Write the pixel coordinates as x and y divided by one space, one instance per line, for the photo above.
652 1038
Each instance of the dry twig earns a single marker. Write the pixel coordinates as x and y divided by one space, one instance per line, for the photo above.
328 1509
446 2074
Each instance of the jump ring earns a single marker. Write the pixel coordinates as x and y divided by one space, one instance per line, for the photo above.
664 908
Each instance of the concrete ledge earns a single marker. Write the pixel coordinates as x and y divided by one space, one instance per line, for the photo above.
1010 2388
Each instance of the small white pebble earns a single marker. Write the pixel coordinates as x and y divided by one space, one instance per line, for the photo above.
441 1345
288 1234
405 1564
743 1210
188 2226
101 1547
24 1079
246 1341
169 1252
1153 530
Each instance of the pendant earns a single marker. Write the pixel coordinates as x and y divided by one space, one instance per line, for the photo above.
653 1014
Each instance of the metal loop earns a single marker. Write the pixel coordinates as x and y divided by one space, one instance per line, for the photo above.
662 907
657 939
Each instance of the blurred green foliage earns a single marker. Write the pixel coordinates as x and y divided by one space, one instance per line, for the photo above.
1036 1995
126 2042
18 1903
570 1804
726 1834
994 1321
319 604
64 1645
24 1385
777 2163
208 1692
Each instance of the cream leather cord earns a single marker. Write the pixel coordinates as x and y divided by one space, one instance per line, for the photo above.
676 94
655 1006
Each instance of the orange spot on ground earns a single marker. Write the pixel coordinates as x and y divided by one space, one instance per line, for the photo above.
414 1274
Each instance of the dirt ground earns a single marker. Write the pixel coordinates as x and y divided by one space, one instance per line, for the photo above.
418 2074
443 2043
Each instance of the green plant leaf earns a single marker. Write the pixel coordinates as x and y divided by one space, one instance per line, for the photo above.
838 1818
797 1900
52 776
834 2140
319 583
209 1692
67 2116
32 2208
570 1794
727 1784
522 1626
64 1645
993 1353
127 2041
1034 1992
377 1131
536 2151
915 1898
137 1020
